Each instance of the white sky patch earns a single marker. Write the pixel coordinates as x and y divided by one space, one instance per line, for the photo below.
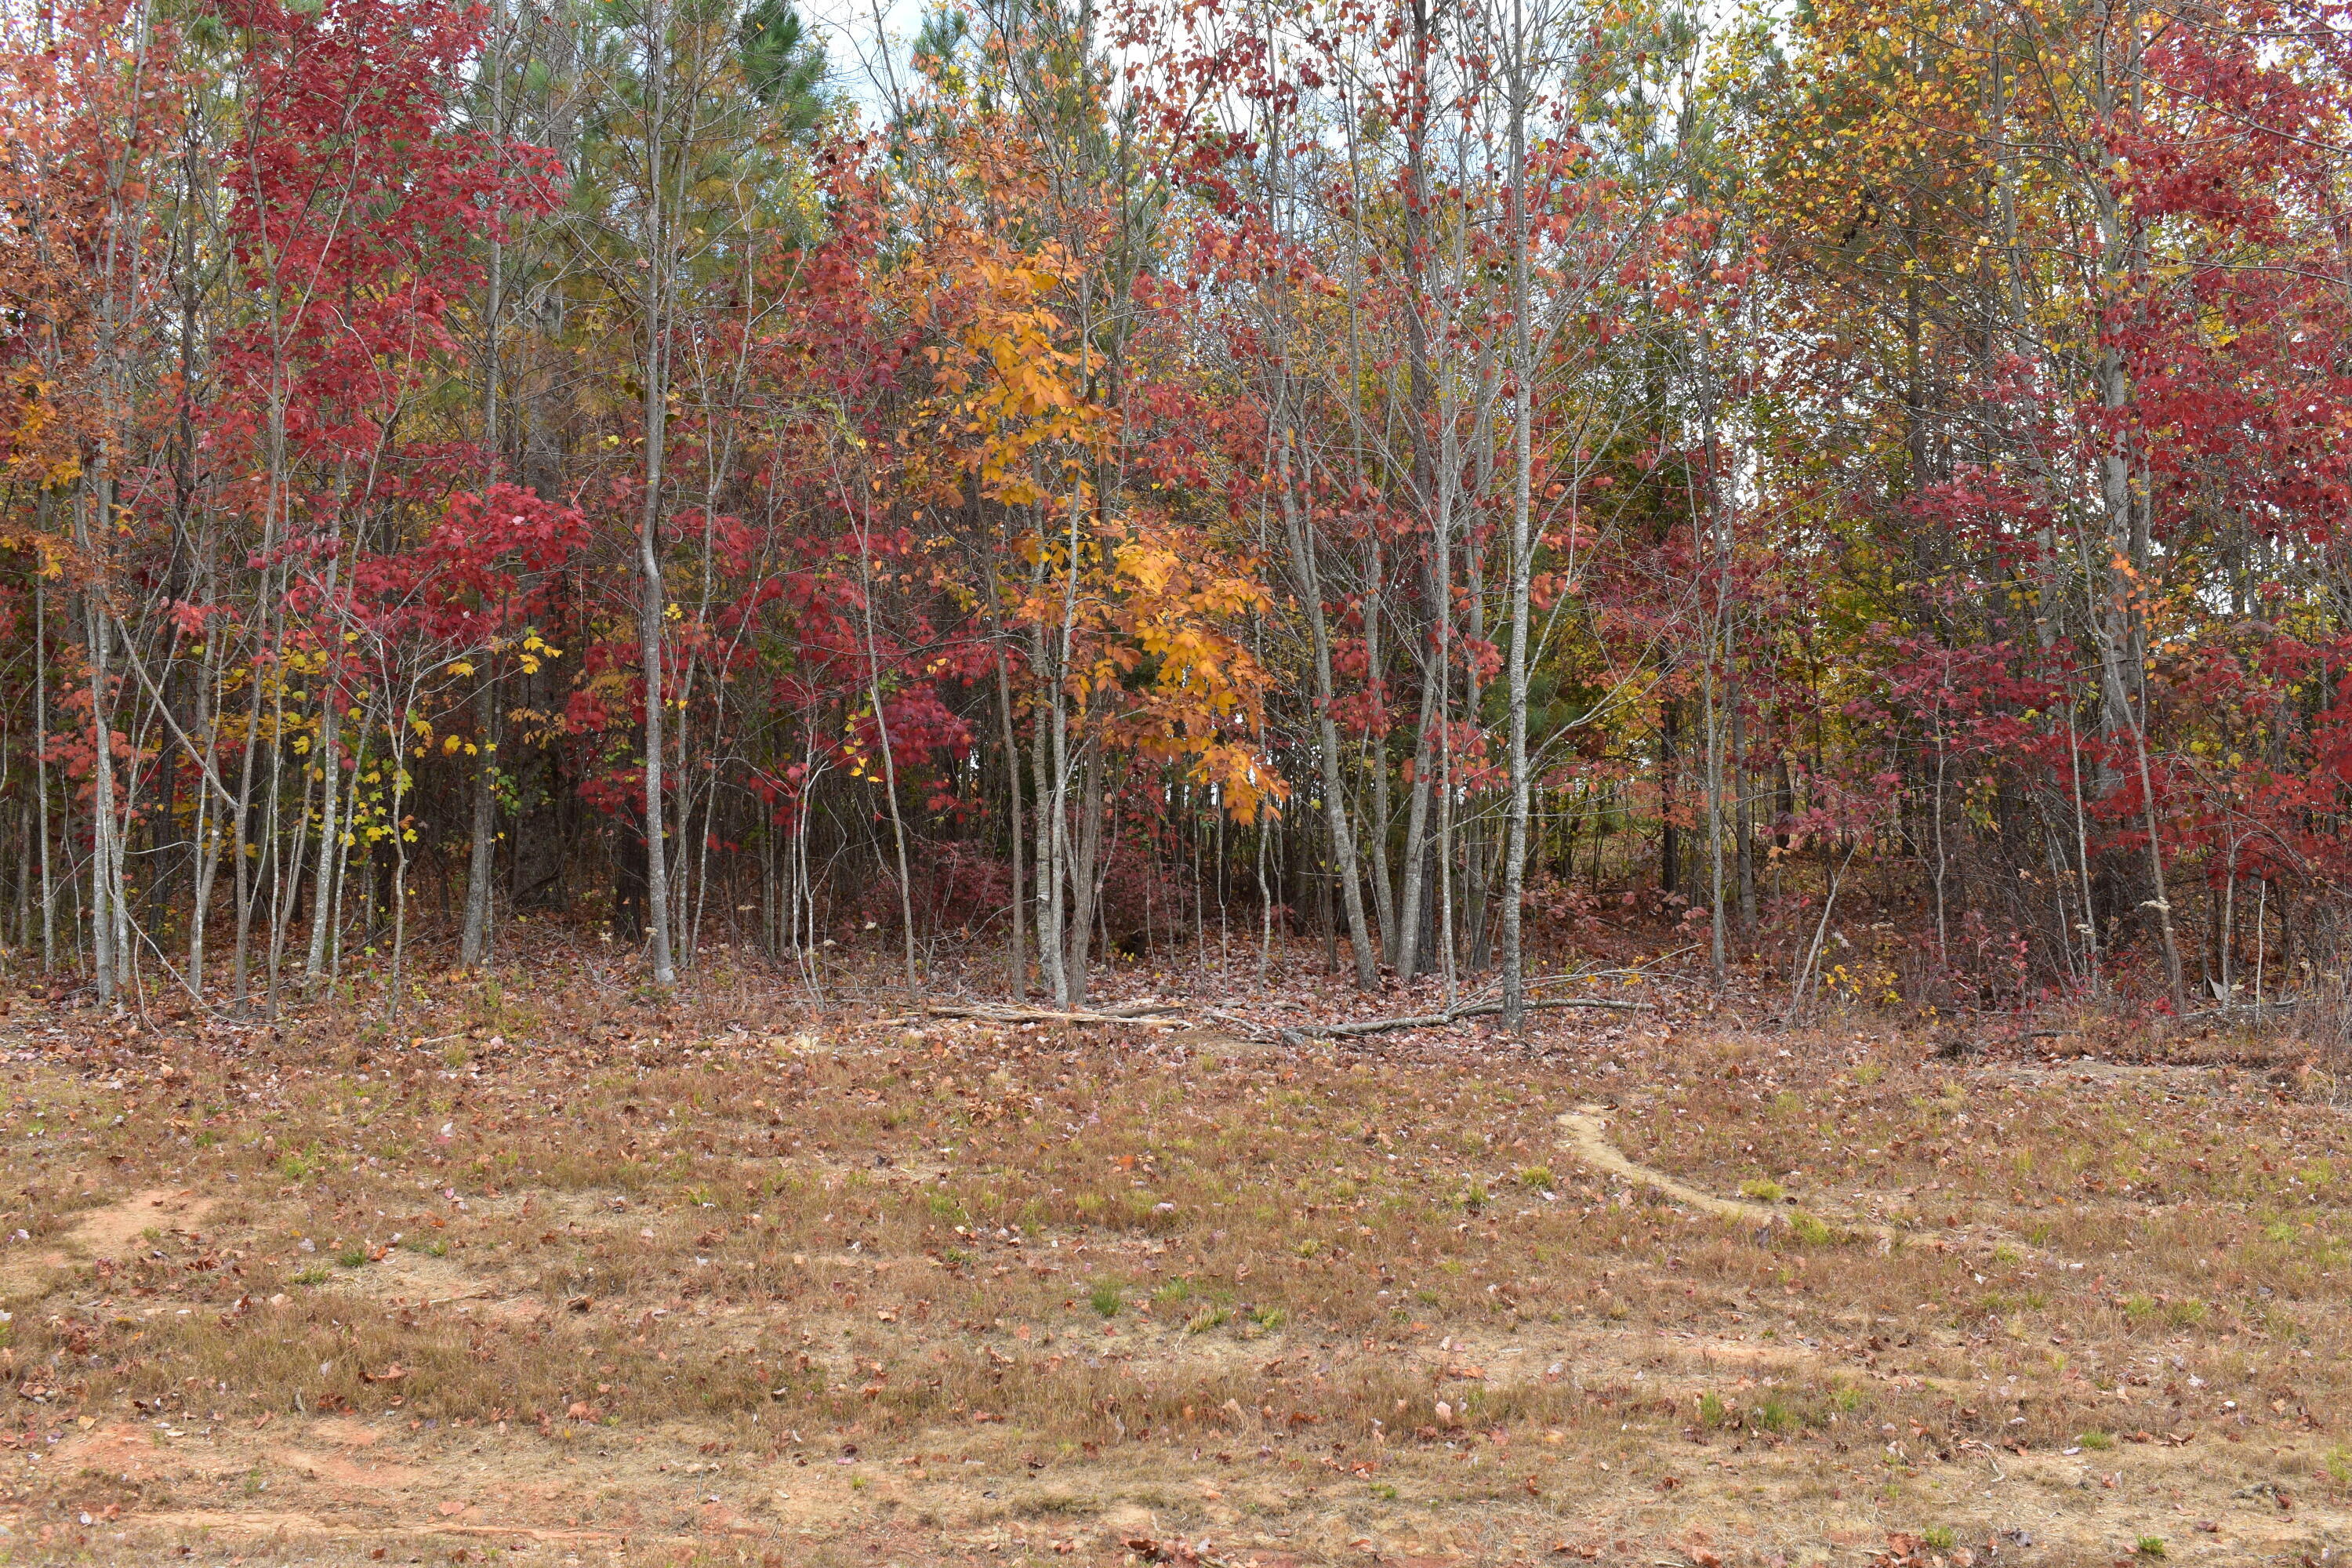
867 46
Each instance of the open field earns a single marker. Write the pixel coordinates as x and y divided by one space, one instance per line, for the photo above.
562 1274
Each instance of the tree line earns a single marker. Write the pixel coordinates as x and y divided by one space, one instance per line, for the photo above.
1859 486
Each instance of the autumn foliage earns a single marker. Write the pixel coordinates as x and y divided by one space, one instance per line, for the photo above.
1859 488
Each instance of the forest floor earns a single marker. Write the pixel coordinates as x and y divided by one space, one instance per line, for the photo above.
558 1271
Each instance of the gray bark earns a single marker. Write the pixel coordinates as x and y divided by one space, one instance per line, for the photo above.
1308 578
652 596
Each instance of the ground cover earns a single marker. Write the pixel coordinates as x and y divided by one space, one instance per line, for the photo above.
563 1271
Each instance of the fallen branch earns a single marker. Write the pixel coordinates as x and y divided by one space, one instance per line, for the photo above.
1263 1030
1300 1034
1004 1013
2233 1009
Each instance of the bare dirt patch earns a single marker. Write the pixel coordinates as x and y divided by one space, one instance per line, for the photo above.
110 1232
1587 1141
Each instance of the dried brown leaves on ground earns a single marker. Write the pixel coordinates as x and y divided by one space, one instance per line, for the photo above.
561 1272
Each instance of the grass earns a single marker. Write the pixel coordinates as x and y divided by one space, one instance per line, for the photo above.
1258 1274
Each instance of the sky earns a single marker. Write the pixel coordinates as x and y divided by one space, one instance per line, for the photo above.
866 43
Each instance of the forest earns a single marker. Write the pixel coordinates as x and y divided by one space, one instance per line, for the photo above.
1858 490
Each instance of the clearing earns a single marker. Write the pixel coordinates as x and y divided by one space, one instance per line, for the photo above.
563 1273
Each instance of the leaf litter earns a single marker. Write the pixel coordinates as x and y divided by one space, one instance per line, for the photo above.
653 1284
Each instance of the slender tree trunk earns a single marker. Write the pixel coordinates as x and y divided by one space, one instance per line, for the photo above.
41 764
1012 787
1715 828
288 894
1409 904
1064 851
108 923
22 880
652 599
1045 798
1670 727
1716 554
2124 686
1376 755
261 669
273 847
889 762
474 943
119 257
1936 830
2082 847
1523 542
208 827
322 881
1308 576
1086 872
266 667
1744 817
399 869
1425 393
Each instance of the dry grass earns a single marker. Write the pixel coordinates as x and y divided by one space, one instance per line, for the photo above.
566 1273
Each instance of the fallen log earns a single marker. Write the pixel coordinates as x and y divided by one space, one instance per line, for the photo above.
1004 1013
1301 1034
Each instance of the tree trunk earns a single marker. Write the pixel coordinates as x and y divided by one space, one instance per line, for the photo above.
474 945
1046 803
1309 577
109 918
1086 874
889 761
1523 543
652 597
1013 788
41 765
1670 727
1376 754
